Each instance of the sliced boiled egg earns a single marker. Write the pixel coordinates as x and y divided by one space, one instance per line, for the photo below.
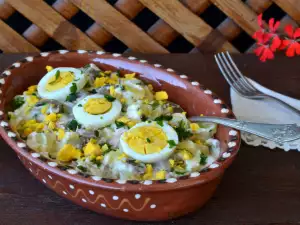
149 142
96 111
57 83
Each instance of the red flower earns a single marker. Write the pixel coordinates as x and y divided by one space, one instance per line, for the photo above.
293 47
264 49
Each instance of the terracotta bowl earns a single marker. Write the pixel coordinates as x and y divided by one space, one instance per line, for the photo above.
128 199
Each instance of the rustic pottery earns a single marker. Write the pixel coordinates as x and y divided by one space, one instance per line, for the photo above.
129 199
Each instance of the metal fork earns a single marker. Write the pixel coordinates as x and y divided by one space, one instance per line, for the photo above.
240 83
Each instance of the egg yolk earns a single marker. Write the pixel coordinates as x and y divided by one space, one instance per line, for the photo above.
146 139
58 82
96 106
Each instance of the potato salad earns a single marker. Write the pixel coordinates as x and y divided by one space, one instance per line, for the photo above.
110 124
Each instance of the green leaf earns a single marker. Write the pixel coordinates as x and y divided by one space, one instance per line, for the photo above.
93 91
17 102
71 97
182 132
72 125
118 73
160 122
203 159
154 105
148 140
109 98
87 66
82 168
164 117
57 74
73 88
79 105
172 143
180 172
120 124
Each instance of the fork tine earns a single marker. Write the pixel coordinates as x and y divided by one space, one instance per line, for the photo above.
240 73
224 70
234 75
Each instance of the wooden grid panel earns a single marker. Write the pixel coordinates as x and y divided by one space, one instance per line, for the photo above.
177 19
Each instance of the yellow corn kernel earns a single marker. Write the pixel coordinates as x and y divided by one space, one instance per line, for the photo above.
49 68
160 175
51 125
44 109
194 126
130 76
161 95
67 153
171 162
61 134
112 91
100 157
148 173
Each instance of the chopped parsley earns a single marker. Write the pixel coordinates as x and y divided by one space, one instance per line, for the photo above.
79 105
77 79
87 85
109 98
87 66
203 159
160 120
73 88
17 102
93 91
57 75
172 143
182 132
118 73
179 172
154 105
82 168
96 133
97 162
71 97
148 140
72 125
101 117
120 124
144 118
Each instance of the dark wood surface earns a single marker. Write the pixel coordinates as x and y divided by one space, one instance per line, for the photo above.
261 187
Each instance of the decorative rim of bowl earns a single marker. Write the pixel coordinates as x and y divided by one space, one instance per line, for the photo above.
204 175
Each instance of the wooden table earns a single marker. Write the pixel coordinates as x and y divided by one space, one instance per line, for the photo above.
261 187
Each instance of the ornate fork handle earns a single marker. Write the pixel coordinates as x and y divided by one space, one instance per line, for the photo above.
275 132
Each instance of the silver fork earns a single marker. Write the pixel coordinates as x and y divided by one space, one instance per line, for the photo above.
240 83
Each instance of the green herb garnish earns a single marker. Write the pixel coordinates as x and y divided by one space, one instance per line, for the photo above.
97 162
79 105
71 97
17 102
93 91
87 85
172 143
144 118
57 75
148 140
120 124
118 73
73 88
203 159
109 98
87 66
160 122
82 168
179 172
154 105
182 132
72 125
96 133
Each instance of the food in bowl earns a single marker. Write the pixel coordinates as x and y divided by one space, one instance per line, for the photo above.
111 125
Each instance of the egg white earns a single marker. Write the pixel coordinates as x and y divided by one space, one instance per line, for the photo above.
154 157
61 94
91 121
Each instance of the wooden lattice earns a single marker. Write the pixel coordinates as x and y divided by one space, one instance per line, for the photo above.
176 19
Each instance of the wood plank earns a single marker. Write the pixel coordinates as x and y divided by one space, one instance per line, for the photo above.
193 28
117 24
291 7
11 41
240 13
5 10
129 8
55 25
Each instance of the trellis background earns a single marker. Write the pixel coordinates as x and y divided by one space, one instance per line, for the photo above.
151 26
